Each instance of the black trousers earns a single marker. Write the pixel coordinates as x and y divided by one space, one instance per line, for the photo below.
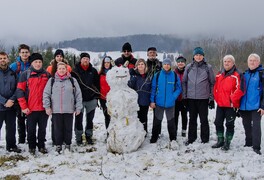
179 107
9 117
252 126
143 116
106 115
159 112
89 123
63 124
198 107
228 114
34 119
21 124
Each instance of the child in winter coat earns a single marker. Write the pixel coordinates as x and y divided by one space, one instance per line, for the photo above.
62 98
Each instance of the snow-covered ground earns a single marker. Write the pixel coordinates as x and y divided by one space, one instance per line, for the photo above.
150 161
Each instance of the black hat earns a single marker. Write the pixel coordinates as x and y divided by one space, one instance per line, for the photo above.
58 52
152 49
35 56
127 47
84 55
181 59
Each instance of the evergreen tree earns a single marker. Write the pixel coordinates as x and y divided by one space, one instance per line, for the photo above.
13 54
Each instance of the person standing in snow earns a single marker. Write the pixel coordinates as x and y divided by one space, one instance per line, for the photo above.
166 87
142 85
22 64
252 103
62 98
126 59
228 90
179 106
89 82
52 69
58 57
8 80
30 89
197 84
104 87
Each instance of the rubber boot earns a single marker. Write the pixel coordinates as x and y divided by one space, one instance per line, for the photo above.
220 140
228 139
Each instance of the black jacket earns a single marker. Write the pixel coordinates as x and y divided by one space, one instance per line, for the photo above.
88 80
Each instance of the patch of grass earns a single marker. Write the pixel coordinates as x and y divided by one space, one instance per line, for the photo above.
12 177
12 159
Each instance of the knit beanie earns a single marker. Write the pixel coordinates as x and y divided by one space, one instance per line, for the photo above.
181 59
35 56
166 61
127 47
84 55
198 50
58 52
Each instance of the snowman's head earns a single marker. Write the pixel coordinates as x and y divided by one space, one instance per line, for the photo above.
117 76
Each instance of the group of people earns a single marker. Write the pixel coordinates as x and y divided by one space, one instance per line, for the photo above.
31 94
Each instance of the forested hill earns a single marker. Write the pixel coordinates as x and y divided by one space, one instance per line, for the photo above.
166 43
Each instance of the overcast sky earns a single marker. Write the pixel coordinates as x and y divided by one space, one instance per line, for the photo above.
35 21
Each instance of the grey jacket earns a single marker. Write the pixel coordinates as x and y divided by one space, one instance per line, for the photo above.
198 81
62 99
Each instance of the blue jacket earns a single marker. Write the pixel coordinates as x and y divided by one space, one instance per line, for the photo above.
8 83
142 85
253 98
23 66
164 90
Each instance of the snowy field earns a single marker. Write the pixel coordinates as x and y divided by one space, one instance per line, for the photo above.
151 161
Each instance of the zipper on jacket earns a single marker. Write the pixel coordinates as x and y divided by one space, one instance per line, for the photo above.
247 90
166 81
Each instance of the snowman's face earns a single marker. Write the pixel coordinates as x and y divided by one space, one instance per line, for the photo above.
117 76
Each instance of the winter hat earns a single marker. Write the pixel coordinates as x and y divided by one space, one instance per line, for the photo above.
107 59
181 59
58 52
127 47
35 56
84 55
152 49
198 50
166 61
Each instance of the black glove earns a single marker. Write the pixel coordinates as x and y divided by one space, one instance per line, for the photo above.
185 103
237 112
211 104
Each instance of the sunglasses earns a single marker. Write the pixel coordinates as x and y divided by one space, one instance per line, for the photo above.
125 51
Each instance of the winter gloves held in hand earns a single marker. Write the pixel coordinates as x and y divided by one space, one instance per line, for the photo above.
211 104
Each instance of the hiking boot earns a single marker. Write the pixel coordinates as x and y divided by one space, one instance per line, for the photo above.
14 149
32 151
89 140
58 148
153 140
79 143
43 150
68 147
257 151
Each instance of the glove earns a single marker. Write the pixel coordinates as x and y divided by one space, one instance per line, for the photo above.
211 104
185 103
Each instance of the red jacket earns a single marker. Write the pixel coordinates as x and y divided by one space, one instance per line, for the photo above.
30 89
180 74
104 87
229 88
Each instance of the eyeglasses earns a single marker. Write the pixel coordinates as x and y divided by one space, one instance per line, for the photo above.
181 61
24 52
126 51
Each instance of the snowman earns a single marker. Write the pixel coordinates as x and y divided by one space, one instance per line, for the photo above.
126 132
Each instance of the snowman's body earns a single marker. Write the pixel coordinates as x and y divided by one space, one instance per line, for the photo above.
126 132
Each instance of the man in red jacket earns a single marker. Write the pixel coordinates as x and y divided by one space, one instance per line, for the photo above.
228 90
30 89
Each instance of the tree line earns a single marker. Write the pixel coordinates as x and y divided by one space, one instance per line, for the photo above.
215 48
